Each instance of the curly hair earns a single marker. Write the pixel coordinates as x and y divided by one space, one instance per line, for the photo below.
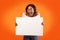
33 6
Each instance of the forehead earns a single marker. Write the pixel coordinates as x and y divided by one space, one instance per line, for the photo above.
30 7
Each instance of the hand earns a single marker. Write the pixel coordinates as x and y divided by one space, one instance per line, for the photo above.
15 24
42 23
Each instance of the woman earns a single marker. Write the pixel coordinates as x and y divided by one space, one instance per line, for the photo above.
31 12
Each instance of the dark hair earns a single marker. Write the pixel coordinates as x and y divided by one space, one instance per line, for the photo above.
33 6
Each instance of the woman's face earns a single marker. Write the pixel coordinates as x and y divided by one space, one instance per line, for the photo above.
30 11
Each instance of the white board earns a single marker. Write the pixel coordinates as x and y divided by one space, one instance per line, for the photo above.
29 26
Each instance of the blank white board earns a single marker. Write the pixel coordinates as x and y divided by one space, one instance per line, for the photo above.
29 25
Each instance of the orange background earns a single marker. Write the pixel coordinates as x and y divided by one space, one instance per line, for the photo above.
49 10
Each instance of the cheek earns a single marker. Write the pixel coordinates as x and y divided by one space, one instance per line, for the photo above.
33 10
